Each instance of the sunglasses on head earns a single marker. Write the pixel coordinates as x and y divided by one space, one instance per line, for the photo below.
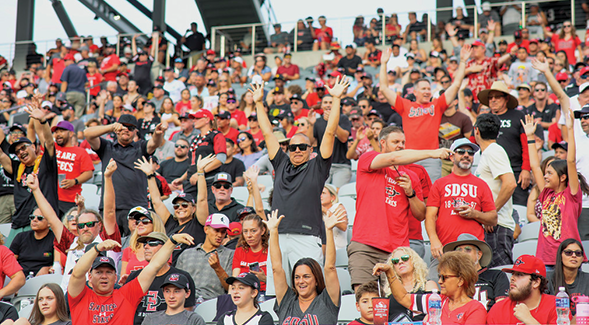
143 221
181 146
397 260
153 243
300 146
463 151
443 277
177 205
89 224
569 252
39 218
223 185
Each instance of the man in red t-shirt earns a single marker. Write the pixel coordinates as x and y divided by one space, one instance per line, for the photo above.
527 302
388 193
102 303
223 121
314 99
74 166
421 119
482 70
109 68
296 106
458 203
56 67
287 69
237 115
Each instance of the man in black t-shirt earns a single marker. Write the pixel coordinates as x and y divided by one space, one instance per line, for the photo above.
341 171
142 71
543 112
350 62
33 249
298 178
45 166
174 168
221 200
492 285
195 41
233 167
6 184
130 184
153 300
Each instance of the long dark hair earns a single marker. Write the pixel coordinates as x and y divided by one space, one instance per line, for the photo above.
558 278
315 269
37 318
265 236
253 146
561 168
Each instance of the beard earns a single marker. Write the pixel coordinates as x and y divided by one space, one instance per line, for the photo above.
465 165
522 293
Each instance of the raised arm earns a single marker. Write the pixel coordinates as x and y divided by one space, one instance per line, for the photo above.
46 209
408 156
544 68
6 162
202 204
110 206
530 129
326 145
154 193
158 138
450 93
331 279
401 295
37 114
83 265
351 154
388 93
93 134
251 176
280 284
134 44
147 275
265 125
571 153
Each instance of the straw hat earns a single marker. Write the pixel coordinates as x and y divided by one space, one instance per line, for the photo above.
500 86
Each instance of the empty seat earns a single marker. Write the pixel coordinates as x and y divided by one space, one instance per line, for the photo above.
345 281
350 205
527 247
347 190
207 310
529 232
348 311
522 212
268 306
240 194
341 258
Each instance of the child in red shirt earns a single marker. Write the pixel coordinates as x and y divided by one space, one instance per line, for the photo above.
364 295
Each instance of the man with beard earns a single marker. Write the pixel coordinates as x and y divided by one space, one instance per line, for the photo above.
30 162
527 302
174 168
458 203
91 227
110 64
130 183
74 166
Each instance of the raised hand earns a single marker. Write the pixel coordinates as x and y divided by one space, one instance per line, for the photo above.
144 165
569 119
110 168
385 56
442 153
257 92
333 218
540 66
339 88
529 126
491 24
117 127
451 30
312 116
273 220
251 174
32 182
184 239
107 245
79 200
161 128
36 113
380 268
465 52
369 134
360 133
201 163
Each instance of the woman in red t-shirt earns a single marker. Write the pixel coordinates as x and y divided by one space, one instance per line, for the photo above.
184 105
147 222
252 249
561 191
566 40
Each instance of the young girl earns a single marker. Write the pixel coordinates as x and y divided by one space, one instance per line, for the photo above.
49 308
252 249
244 290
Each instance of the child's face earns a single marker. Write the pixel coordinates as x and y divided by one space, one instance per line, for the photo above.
175 296
364 306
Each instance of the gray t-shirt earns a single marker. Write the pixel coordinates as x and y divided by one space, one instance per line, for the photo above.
321 311
185 317
580 287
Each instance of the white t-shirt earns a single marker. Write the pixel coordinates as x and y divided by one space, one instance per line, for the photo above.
494 162
398 61
175 89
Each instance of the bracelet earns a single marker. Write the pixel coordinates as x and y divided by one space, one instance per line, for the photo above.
150 176
44 122
531 141
96 249
173 241
412 195
200 174
76 180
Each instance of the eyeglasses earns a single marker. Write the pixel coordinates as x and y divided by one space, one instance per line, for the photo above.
22 148
39 218
181 146
495 96
463 151
585 76
445 277
89 224
539 90
70 217
153 243
300 146
464 249
567 26
241 139
445 81
223 80
145 221
403 258
585 117
17 132
223 185
569 252
6 101
184 205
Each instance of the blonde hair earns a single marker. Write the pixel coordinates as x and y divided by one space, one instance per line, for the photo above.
158 226
333 191
420 269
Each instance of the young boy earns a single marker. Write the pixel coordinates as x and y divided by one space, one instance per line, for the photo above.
175 290
364 295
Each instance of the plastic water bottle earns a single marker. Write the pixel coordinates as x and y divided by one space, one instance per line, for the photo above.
24 303
582 309
199 300
562 307
434 310
30 276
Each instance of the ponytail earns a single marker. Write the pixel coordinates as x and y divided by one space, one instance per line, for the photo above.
583 184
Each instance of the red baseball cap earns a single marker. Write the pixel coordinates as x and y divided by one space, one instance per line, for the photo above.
584 71
335 74
69 56
203 113
478 43
319 84
562 76
211 52
528 264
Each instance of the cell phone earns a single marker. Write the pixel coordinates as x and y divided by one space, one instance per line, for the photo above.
255 266
60 177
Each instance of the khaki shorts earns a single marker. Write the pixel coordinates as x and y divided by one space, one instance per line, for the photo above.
361 261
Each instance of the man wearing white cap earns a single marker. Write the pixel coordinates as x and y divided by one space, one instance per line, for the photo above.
209 263
458 203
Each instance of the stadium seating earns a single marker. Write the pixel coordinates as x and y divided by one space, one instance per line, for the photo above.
26 312
527 247
350 205
240 194
522 212
529 232
347 190
345 282
207 310
29 290
347 310
5 229
341 258
91 194
268 306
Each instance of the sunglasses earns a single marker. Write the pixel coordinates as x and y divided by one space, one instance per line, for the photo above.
70 217
241 139
403 258
585 117
22 148
569 252
585 76
443 278
89 224
539 90
39 218
567 26
223 185
184 205
363 106
131 127
300 146
6 101
145 221
463 151
252 119
302 124
445 81
153 243
181 146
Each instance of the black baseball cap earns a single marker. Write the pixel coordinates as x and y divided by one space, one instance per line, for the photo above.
183 196
178 280
225 115
128 119
103 261
17 126
561 144
222 177
349 101
248 279
17 142
245 211
285 114
373 112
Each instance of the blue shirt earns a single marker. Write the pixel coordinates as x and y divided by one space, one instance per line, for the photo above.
75 78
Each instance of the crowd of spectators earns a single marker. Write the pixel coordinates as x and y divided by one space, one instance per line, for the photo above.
448 143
